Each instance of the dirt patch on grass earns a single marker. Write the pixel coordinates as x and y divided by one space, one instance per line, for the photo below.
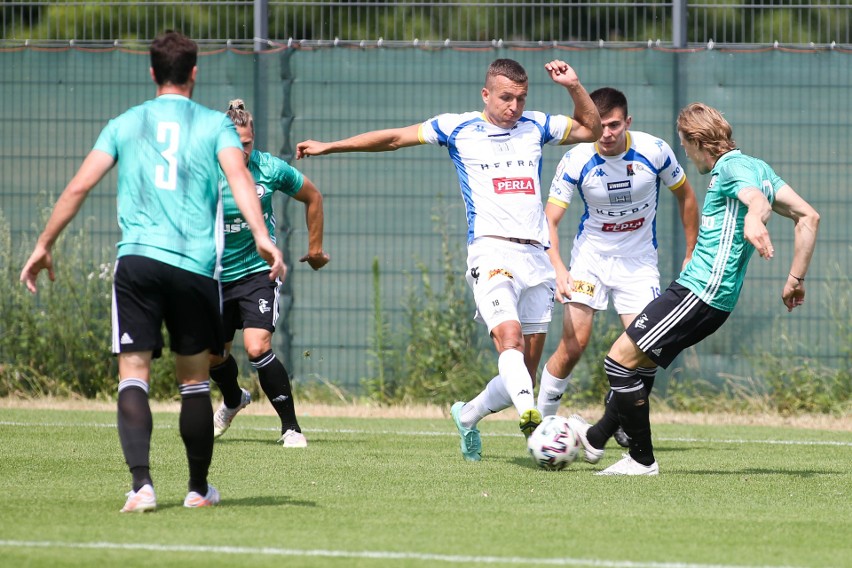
811 421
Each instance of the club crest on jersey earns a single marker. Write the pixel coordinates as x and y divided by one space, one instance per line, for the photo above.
583 287
630 170
712 181
523 185
498 271
261 191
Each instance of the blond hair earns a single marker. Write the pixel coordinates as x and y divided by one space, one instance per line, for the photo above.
705 126
239 115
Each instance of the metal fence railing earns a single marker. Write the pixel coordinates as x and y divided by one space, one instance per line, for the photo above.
765 22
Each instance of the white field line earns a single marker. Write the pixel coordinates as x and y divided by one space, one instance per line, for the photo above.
354 431
365 554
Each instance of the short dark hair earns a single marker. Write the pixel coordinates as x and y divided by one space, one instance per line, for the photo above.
607 99
508 68
173 56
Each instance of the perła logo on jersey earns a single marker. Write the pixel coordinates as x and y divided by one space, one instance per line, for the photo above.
523 185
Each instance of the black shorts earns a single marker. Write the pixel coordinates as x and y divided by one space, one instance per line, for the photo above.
670 323
147 292
251 301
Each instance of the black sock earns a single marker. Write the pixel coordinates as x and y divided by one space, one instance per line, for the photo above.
634 414
225 376
196 430
275 383
602 431
134 429
647 375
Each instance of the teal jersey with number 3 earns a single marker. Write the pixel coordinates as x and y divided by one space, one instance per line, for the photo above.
718 265
270 174
169 198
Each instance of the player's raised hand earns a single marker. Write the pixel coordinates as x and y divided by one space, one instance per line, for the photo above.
316 260
793 295
310 148
39 260
562 73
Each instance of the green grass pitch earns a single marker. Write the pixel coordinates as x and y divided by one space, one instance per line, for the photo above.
395 492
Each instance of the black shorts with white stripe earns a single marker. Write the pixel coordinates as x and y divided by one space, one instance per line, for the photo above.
675 320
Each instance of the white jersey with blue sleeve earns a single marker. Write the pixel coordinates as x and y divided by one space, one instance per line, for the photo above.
620 193
499 170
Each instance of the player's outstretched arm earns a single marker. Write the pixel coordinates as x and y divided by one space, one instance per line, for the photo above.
92 170
376 141
245 196
806 220
311 197
587 120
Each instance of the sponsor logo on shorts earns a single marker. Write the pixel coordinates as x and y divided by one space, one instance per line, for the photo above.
263 306
498 272
126 339
474 273
657 351
583 287
640 321
524 185
623 227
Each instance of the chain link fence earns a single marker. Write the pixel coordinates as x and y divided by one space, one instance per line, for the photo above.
332 69
681 22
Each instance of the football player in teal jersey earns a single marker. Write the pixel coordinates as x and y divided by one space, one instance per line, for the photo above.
250 298
741 196
167 150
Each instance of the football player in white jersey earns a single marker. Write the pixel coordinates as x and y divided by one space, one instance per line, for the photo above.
614 254
497 155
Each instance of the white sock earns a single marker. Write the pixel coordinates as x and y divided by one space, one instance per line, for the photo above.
517 379
493 398
550 392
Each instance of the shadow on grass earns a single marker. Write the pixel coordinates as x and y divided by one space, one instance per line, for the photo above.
255 501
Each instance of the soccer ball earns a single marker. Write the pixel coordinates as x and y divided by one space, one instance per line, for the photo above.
553 445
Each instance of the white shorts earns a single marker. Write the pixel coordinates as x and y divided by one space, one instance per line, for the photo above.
631 282
511 282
